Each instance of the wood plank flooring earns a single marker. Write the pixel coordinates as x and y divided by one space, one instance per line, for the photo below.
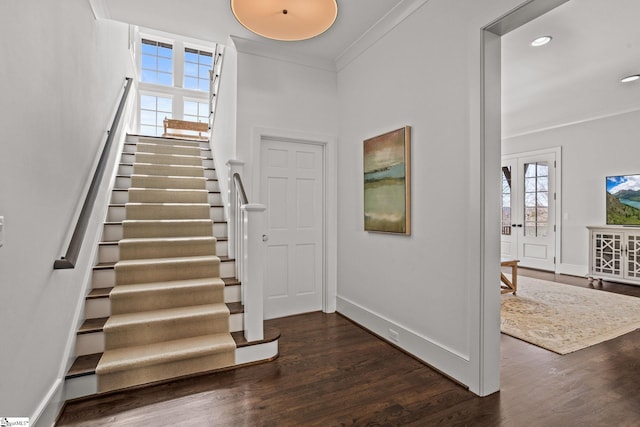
333 373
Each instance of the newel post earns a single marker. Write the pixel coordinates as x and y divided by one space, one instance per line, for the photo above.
254 265
234 166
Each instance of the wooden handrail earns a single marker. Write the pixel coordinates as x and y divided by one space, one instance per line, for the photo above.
70 258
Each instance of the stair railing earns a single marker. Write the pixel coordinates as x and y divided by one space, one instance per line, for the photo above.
246 245
214 84
70 258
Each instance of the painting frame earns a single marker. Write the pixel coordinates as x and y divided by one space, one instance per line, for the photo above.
387 182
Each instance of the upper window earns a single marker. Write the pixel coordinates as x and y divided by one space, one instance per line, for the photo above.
157 62
197 64
196 111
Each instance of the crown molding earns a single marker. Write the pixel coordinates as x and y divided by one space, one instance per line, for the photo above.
395 16
274 51
100 9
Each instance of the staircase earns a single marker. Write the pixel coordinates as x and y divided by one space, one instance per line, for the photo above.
164 301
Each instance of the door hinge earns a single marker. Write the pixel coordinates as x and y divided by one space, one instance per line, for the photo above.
554 163
554 228
554 260
554 196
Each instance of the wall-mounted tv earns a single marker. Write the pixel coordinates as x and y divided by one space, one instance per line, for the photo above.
623 200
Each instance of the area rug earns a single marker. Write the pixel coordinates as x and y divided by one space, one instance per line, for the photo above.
564 318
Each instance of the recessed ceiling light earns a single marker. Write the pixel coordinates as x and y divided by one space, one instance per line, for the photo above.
541 41
631 78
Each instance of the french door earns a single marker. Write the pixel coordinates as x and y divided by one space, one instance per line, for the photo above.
528 227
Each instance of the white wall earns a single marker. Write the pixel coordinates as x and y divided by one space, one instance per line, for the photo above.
279 93
223 133
424 73
62 75
591 150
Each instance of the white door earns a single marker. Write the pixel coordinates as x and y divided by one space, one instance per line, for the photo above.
292 188
528 228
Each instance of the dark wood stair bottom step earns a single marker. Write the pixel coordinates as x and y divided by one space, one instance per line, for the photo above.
86 365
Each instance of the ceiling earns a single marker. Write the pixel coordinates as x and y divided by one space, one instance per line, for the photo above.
577 76
574 78
212 20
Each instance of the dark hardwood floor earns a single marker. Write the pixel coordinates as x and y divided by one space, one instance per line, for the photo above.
332 373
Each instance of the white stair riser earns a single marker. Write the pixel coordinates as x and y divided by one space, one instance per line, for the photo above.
228 269
97 307
103 278
90 343
117 213
232 294
87 385
119 197
93 342
111 253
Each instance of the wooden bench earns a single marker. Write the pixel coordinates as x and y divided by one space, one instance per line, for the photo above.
190 127
509 285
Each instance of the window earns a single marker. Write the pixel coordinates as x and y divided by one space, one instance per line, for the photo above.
536 199
157 62
506 201
196 111
153 110
197 64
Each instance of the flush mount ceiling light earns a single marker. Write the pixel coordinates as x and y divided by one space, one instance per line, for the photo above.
541 41
287 20
631 78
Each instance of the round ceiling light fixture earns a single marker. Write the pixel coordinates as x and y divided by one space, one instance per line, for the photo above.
541 41
286 20
631 78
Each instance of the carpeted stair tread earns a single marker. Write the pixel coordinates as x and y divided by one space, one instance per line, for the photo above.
184 142
142 318
155 269
168 210
164 352
163 295
149 327
168 159
167 170
167 228
147 147
172 182
165 247
176 195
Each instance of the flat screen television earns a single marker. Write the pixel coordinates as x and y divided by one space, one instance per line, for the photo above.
623 200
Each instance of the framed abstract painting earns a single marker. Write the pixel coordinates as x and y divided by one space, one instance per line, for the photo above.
387 182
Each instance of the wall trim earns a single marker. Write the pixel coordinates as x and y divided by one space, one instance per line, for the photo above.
572 270
49 404
388 22
100 9
573 123
444 359
280 53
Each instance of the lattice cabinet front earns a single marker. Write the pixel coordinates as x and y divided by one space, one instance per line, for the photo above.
633 255
614 254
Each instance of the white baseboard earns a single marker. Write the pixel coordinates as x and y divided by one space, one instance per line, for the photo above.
445 360
572 269
47 411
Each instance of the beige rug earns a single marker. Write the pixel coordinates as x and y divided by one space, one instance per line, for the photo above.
565 318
